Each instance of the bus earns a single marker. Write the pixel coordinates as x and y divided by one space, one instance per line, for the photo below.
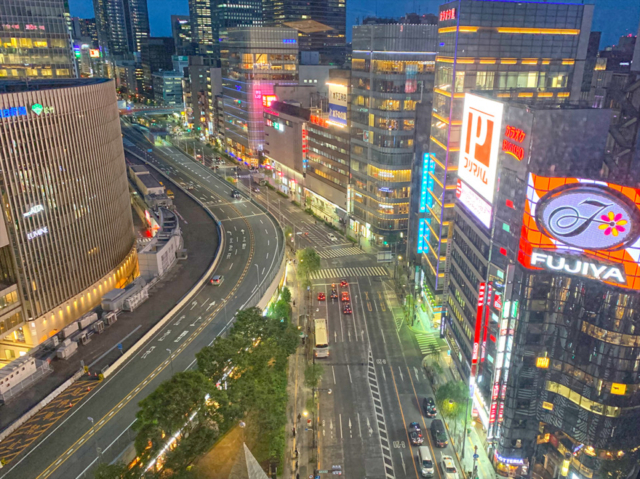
322 338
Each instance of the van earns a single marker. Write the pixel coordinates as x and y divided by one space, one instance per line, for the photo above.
438 433
425 461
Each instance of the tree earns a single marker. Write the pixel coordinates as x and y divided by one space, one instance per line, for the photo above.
618 468
452 398
167 409
112 471
286 295
312 375
308 263
281 310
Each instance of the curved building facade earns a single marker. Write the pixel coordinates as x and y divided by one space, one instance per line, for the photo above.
65 197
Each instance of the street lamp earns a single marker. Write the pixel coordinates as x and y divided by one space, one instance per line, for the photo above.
170 360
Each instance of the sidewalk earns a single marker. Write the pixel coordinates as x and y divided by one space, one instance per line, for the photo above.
299 461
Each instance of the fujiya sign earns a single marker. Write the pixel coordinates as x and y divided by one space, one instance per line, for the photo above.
582 227
579 267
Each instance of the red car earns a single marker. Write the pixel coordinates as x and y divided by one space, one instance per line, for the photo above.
322 297
343 283
347 309
345 297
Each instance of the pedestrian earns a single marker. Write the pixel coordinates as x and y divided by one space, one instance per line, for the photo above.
297 475
296 452
294 302
294 431
299 416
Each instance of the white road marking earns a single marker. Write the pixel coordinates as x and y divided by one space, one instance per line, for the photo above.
340 415
179 338
349 370
334 374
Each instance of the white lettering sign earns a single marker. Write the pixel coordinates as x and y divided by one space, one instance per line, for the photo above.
38 232
582 267
34 209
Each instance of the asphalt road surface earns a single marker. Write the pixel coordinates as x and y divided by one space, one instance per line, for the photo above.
376 379
98 424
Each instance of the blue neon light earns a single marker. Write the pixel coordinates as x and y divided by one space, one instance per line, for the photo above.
14 111
289 40
423 235
428 166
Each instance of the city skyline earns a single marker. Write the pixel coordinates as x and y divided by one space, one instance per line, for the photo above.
607 18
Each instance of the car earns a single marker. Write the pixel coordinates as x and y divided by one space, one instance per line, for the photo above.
429 407
235 194
217 280
415 426
334 294
345 297
322 297
438 433
255 189
332 237
343 283
416 438
347 309
449 468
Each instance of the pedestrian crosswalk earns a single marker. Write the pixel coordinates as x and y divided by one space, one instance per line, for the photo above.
428 342
339 252
349 272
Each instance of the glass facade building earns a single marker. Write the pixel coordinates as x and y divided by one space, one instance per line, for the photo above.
392 67
122 26
525 50
253 61
35 40
201 28
321 25
66 205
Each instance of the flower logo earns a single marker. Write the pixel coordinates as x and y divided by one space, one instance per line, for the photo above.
613 224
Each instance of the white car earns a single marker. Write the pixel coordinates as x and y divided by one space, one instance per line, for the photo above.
332 237
449 468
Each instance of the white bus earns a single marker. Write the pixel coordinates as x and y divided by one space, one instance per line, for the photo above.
322 338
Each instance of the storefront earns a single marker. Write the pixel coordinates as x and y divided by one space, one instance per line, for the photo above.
325 209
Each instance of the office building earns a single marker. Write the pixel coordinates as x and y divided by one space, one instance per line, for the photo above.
122 25
201 85
522 50
34 40
155 55
84 29
254 60
182 37
167 88
321 25
392 67
540 308
66 200
201 26
226 15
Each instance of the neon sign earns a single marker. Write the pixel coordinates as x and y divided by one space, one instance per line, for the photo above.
578 267
34 209
38 232
479 207
449 14
13 111
517 135
507 460
478 329
316 120
268 99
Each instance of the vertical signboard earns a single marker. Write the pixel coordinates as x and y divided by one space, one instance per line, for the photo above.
480 144
478 329
338 104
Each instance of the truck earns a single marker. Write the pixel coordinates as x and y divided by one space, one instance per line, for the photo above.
259 179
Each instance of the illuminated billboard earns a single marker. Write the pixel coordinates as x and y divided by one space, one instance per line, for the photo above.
338 104
582 227
479 207
480 144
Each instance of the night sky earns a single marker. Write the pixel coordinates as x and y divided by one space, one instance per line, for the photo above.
612 17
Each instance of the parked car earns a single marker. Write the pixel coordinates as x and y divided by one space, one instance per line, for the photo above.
449 468
217 280
438 433
429 407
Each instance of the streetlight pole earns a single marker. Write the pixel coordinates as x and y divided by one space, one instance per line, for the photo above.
170 360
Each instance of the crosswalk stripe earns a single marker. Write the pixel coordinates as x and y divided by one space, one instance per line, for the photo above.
345 272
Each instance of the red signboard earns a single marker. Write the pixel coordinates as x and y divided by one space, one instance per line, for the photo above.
316 120
515 134
487 313
492 412
449 14
305 141
501 412
476 337
268 99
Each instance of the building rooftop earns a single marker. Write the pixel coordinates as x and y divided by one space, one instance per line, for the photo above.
149 181
12 86
139 169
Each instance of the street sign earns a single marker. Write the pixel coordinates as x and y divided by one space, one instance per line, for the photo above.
324 471
120 346
385 257
475 457
150 150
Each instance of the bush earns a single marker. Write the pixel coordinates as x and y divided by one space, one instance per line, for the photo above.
296 203
352 239
231 180
270 186
283 194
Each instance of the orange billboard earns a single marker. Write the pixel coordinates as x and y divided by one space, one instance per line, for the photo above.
582 227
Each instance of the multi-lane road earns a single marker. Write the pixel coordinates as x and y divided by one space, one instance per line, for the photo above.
252 249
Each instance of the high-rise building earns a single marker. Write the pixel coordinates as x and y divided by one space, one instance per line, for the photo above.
201 27
511 49
253 61
155 55
181 32
66 229
35 40
167 88
122 25
85 29
226 15
542 289
392 68
321 24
